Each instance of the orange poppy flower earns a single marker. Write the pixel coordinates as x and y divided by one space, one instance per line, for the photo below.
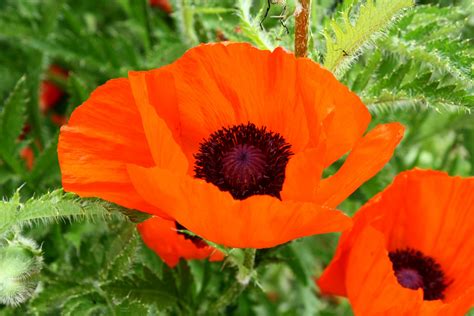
410 249
164 238
229 141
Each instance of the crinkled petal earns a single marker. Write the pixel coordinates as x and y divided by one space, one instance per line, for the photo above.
332 110
162 237
102 136
166 152
256 222
372 287
368 156
302 175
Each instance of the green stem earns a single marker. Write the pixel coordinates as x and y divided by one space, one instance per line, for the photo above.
244 274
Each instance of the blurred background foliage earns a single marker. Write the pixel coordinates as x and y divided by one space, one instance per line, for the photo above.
415 66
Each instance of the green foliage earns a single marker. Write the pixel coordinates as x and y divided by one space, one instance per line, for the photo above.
423 63
103 274
51 207
12 120
347 35
250 26
408 65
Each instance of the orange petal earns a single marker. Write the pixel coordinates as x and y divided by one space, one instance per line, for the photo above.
430 211
166 152
102 136
425 210
331 109
219 85
457 306
369 155
372 287
161 236
443 224
332 281
257 222
302 175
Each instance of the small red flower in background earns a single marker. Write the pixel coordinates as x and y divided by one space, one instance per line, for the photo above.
410 251
164 238
28 157
49 96
50 93
162 4
230 141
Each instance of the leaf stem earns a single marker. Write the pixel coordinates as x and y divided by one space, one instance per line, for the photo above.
244 275
302 28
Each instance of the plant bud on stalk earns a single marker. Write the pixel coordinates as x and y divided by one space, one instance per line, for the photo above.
20 263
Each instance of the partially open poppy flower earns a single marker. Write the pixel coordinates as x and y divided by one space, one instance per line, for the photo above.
165 238
410 249
229 141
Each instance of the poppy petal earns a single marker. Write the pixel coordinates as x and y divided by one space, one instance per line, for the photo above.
425 210
161 236
220 85
332 110
302 175
256 222
158 134
102 136
368 156
439 208
371 284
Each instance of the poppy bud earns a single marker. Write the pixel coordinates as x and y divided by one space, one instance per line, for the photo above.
20 263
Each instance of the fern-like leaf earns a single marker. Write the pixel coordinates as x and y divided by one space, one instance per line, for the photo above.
347 37
53 206
12 120
416 68
251 28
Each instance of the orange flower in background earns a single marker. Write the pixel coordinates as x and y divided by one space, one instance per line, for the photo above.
410 251
164 5
28 157
50 93
229 141
164 238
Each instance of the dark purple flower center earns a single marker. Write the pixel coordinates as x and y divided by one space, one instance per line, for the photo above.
414 270
244 160
409 278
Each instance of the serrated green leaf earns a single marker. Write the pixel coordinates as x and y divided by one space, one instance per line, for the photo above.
121 254
12 120
251 28
151 260
147 290
57 295
52 207
417 70
80 305
347 36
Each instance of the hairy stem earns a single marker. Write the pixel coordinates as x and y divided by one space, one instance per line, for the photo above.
243 277
302 28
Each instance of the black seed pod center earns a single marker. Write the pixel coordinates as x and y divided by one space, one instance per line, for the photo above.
196 240
244 160
414 270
